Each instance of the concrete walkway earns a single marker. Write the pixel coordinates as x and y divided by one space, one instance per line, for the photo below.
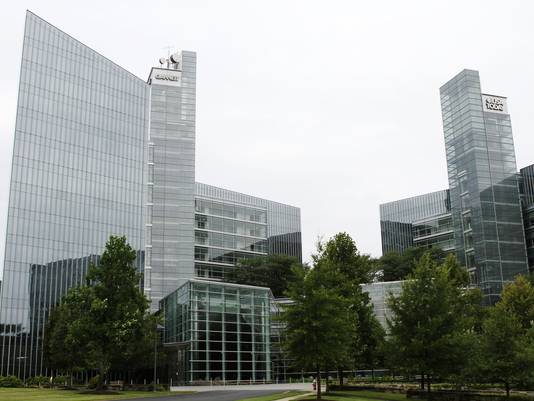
253 387
312 394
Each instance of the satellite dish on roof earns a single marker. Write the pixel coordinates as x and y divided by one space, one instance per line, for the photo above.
162 60
175 58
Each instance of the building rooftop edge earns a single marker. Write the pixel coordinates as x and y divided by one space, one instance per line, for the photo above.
242 193
412 197
89 47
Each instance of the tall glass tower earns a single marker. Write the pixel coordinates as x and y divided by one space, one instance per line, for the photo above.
77 177
171 176
484 191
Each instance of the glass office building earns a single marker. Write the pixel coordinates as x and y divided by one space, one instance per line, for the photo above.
485 222
485 203
100 152
423 220
526 176
220 332
379 294
231 226
77 169
171 176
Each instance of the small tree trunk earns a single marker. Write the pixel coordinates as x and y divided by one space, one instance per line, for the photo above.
340 376
507 386
318 380
422 381
428 384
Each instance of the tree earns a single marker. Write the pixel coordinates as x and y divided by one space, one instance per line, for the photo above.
507 353
398 266
433 320
105 323
272 271
508 336
317 323
518 298
344 270
63 351
340 254
368 340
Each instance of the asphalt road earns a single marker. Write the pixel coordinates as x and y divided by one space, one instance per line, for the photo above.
226 395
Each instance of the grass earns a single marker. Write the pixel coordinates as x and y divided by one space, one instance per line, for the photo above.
41 394
358 396
277 396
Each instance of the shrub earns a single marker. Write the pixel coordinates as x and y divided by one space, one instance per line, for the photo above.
61 380
159 387
10 381
38 381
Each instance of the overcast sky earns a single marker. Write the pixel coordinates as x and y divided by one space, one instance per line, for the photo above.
332 106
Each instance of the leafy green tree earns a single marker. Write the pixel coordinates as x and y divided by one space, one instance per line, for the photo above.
518 298
340 254
398 266
62 350
508 336
273 271
106 323
369 339
433 321
507 353
344 270
317 323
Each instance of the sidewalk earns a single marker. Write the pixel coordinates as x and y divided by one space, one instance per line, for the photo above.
237 387
311 394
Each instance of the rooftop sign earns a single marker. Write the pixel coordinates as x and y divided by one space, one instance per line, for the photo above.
163 76
494 104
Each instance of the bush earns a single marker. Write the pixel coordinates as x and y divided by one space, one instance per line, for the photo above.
10 381
93 381
159 387
61 380
38 381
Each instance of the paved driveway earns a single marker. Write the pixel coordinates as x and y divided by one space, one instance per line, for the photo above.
224 395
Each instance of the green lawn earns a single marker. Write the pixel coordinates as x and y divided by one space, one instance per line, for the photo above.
359 396
276 396
41 394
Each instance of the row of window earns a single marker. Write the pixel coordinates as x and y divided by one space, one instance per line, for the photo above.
230 226
230 210
221 256
230 241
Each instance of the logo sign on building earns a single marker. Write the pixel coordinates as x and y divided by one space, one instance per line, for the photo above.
163 76
494 104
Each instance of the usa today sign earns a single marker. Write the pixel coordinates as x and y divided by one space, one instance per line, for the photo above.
494 104
162 76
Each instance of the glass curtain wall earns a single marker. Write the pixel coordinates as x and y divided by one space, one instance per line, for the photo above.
397 219
171 180
77 177
222 331
230 226
483 184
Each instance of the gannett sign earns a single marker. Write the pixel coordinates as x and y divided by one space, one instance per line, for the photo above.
494 104
163 76
167 77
